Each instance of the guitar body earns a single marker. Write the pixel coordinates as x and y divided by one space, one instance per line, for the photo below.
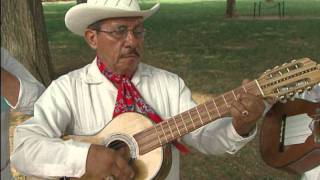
152 165
296 158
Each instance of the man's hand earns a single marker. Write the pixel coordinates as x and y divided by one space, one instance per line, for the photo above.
246 111
103 162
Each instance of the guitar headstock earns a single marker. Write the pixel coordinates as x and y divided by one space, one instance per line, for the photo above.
283 82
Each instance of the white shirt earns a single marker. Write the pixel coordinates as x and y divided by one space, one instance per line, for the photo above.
30 90
82 103
314 96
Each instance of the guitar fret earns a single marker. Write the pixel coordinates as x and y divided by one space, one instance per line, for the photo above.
199 116
234 95
243 87
194 126
216 107
212 110
164 132
185 122
225 100
207 111
170 129
185 126
259 88
155 127
239 91
177 126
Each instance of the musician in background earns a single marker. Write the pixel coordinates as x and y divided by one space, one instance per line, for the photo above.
19 91
314 96
84 101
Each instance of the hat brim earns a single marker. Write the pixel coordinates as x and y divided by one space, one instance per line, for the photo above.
79 17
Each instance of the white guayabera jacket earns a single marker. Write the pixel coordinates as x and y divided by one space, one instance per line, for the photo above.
82 103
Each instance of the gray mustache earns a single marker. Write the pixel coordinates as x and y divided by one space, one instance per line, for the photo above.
130 53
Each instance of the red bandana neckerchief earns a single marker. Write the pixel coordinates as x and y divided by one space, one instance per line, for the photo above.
129 98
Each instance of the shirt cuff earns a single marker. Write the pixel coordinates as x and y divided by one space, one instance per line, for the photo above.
28 94
77 158
238 138
253 132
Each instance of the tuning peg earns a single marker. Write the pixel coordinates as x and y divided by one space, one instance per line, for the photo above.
276 67
309 88
300 91
288 70
268 70
284 64
282 99
293 60
275 98
290 96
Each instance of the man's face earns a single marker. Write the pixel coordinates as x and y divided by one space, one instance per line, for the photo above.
119 43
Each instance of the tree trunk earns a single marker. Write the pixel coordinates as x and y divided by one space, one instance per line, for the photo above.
231 6
24 34
81 1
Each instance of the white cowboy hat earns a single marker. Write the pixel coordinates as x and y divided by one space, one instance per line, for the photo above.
79 17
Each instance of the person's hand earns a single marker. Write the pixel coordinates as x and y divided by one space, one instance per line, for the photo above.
246 111
104 162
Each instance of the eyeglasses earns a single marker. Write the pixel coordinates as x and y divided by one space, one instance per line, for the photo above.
122 33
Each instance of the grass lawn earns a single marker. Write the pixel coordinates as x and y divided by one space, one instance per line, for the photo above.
212 54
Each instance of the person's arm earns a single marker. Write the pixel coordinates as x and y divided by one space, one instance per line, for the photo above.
40 151
10 87
20 89
38 147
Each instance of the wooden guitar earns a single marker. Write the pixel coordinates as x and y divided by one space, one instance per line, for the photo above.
146 140
295 158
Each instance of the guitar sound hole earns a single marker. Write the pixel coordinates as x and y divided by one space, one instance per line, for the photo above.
122 148
117 145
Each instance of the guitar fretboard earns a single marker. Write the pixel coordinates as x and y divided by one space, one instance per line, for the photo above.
181 124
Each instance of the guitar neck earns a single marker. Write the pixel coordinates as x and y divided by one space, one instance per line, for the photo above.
188 121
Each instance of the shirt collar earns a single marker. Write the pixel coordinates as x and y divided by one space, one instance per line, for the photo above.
94 76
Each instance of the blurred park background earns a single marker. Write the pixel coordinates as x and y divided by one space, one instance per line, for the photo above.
212 53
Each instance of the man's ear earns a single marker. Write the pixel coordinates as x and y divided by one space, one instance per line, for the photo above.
91 37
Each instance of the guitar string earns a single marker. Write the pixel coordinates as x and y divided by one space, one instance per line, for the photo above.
154 140
202 111
249 87
119 145
179 121
196 118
